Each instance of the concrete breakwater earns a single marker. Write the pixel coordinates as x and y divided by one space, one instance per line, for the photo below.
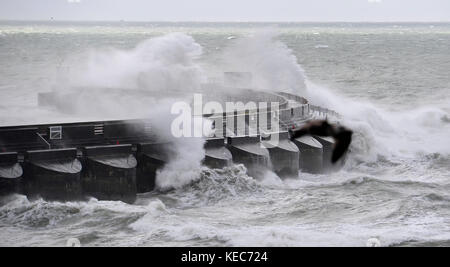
116 160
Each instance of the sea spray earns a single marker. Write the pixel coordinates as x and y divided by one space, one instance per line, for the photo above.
186 153
158 65
384 133
103 83
161 63
379 133
273 65
184 165
215 185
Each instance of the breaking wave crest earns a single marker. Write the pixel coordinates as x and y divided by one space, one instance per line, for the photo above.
216 185
381 133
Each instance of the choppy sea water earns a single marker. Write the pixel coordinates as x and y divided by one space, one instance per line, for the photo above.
389 81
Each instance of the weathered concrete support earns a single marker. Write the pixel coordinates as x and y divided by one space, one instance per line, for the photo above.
224 125
110 172
327 143
151 158
250 152
216 154
284 155
10 173
53 174
311 154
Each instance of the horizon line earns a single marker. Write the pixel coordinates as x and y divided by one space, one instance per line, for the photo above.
230 21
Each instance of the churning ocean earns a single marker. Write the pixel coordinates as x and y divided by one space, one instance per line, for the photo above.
390 82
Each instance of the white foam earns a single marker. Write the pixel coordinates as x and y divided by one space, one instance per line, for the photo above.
396 134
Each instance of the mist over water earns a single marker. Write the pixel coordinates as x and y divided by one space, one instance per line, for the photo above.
273 65
390 84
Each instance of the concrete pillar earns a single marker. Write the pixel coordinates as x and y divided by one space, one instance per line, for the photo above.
247 123
327 144
311 154
250 152
10 173
110 172
217 155
53 174
151 158
224 124
284 156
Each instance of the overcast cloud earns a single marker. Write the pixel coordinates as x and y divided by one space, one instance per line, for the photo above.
227 10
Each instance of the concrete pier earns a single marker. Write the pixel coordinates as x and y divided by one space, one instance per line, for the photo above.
68 160
151 158
53 174
216 154
10 173
284 155
311 154
110 172
250 152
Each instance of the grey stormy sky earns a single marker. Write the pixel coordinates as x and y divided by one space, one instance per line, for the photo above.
227 10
